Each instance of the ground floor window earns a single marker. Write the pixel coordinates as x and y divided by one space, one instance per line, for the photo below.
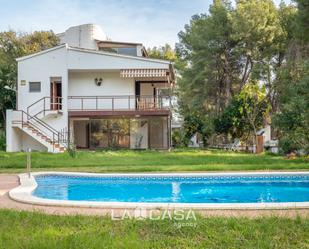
113 133
139 134
130 133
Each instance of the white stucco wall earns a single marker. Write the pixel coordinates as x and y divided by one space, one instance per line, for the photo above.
139 50
28 142
41 68
84 60
77 69
16 139
83 36
13 135
82 84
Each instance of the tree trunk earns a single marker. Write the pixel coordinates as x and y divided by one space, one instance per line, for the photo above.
227 79
247 71
254 138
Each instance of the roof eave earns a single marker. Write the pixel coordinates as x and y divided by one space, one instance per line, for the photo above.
118 55
41 52
118 42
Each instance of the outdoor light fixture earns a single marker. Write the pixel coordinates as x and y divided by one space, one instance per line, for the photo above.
98 81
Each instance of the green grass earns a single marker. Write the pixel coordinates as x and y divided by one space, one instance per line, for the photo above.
150 161
35 230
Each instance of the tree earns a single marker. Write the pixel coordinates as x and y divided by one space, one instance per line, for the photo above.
163 52
231 122
229 48
292 119
254 107
211 69
12 46
256 27
245 114
195 124
301 29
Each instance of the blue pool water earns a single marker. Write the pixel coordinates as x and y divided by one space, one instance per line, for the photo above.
175 189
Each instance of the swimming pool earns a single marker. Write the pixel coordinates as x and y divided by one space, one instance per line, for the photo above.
200 190
175 189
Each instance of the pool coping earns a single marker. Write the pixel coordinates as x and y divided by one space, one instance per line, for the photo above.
23 193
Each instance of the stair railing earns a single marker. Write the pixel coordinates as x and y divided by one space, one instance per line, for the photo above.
55 136
46 104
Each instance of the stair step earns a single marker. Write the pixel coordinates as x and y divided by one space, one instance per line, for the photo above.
28 126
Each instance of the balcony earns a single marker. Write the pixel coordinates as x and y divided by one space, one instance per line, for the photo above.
123 104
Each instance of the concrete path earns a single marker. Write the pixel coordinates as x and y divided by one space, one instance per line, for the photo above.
10 181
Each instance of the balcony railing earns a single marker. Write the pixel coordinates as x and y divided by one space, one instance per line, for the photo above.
119 103
45 104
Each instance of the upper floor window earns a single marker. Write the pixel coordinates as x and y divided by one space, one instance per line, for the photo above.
121 50
34 87
127 51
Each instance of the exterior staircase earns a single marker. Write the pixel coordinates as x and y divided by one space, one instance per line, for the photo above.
48 142
46 107
55 141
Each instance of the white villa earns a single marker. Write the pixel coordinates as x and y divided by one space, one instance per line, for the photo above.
91 91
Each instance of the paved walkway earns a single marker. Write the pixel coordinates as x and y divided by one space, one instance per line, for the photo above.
10 181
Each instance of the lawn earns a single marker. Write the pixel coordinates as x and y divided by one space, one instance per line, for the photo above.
150 161
35 230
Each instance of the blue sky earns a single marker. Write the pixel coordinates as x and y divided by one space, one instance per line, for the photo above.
152 22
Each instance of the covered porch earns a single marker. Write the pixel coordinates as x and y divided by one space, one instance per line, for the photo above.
121 132
119 90
117 101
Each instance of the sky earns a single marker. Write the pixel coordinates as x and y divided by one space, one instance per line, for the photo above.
151 22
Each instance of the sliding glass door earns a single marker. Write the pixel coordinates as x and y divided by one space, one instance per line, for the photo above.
109 133
81 134
131 133
158 133
139 133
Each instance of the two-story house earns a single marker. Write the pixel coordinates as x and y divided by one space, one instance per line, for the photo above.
91 91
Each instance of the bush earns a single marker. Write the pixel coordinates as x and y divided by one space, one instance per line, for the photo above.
71 149
286 145
178 138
